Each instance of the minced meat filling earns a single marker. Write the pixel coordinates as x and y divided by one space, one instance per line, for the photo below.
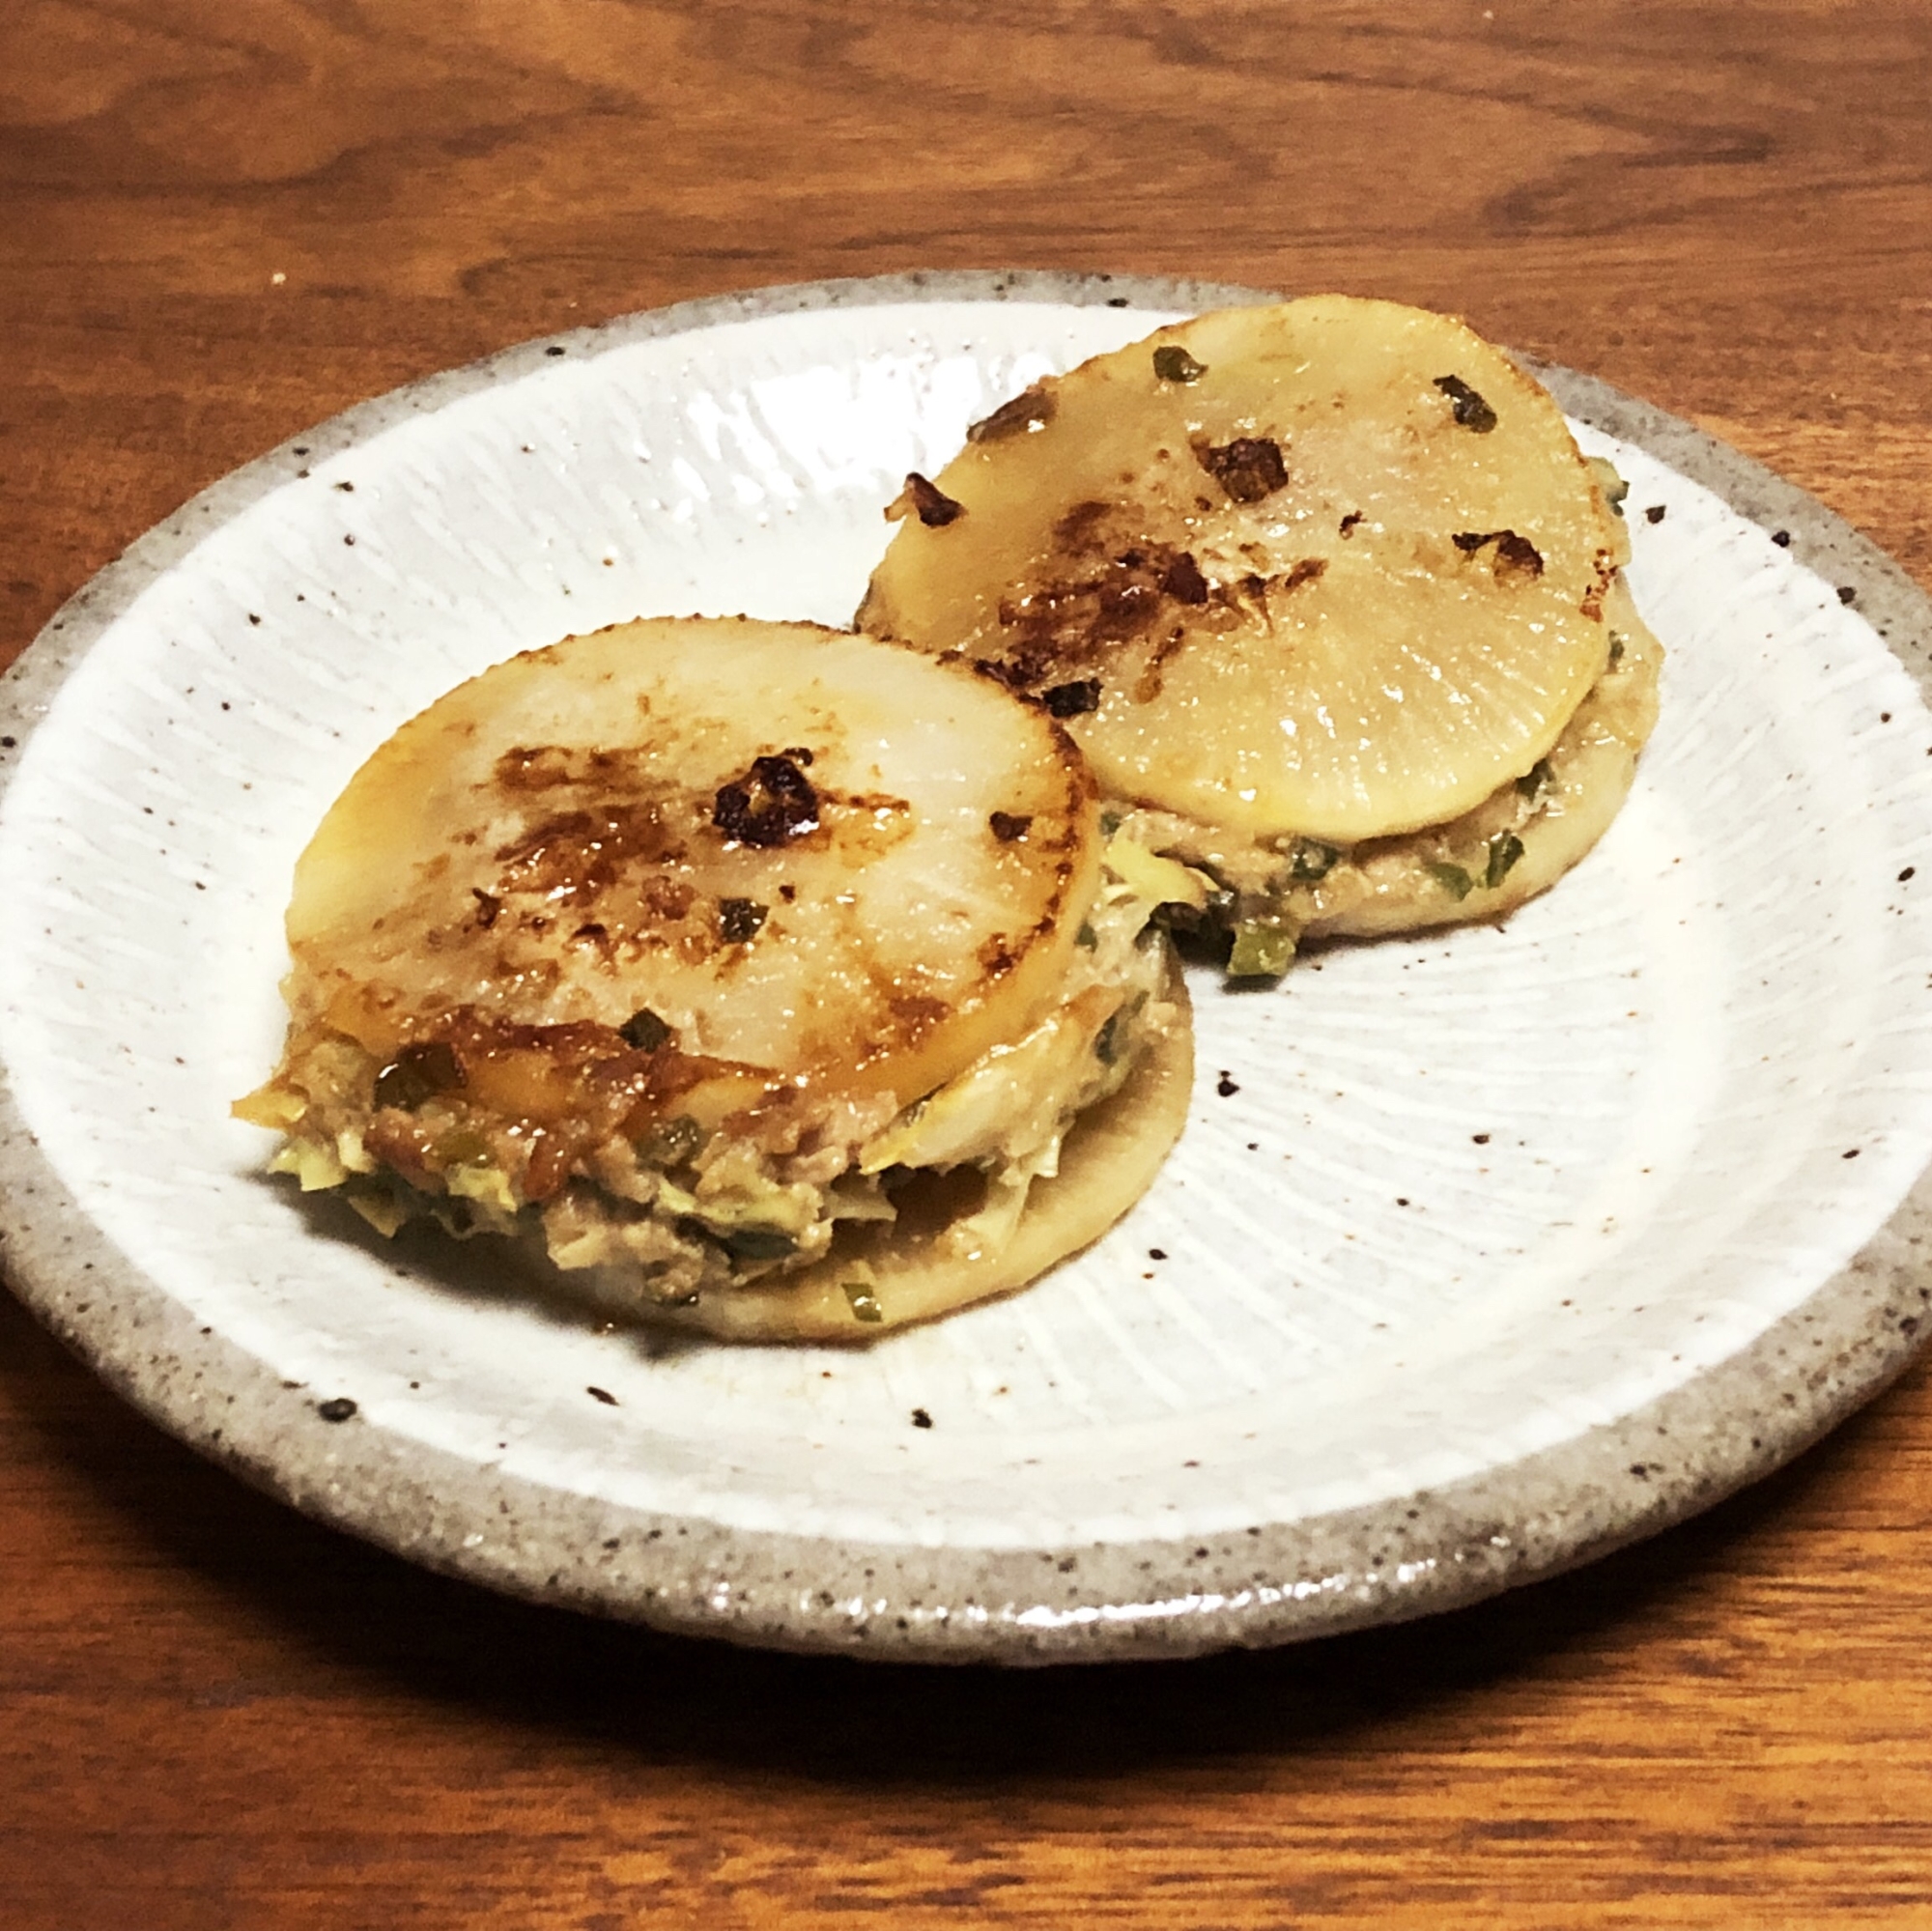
686 1175
1271 893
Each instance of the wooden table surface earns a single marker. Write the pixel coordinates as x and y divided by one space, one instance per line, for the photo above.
221 221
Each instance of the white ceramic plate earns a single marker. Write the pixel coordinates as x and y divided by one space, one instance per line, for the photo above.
1481 1253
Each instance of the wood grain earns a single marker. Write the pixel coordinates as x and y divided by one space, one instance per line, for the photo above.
221 221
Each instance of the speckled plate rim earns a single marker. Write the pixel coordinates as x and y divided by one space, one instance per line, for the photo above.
1273 1582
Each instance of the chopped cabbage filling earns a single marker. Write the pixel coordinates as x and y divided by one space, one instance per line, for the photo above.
696 1204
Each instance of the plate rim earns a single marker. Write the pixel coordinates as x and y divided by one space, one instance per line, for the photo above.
1386 1561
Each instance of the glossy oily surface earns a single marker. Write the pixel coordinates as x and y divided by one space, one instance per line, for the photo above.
1334 567
230 221
1453 1223
776 839
1548 818
918 1272
673 949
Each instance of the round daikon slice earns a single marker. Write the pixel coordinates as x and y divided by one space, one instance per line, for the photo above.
817 859
1335 567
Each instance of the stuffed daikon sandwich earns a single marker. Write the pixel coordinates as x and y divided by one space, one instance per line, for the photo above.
768 978
1327 594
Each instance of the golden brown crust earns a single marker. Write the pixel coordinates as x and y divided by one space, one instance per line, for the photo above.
701 950
618 823
1332 567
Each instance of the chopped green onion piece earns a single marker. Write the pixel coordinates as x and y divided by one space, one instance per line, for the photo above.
1312 861
1505 848
645 1031
672 1142
1453 879
739 920
863 1306
758 1243
1087 936
463 1147
1616 647
1110 823
1032 408
1107 1040
1262 950
1469 408
1174 364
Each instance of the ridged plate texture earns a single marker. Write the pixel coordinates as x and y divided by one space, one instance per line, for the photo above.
1481 1252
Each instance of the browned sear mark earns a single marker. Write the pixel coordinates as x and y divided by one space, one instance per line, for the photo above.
1072 621
772 803
1009 826
543 767
668 898
1146 687
532 768
1015 673
1468 408
1071 701
1516 555
917 1013
925 499
1249 467
1591 605
1104 595
1349 522
1076 525
1032 408
1184 580
418 1072
644 1032
1127 593
1307 571
740 921
997 956
574 858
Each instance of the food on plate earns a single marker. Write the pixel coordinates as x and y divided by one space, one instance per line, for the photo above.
778 981
1326 593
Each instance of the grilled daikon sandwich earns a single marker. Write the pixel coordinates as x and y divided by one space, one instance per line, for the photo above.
1327 594
778 981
